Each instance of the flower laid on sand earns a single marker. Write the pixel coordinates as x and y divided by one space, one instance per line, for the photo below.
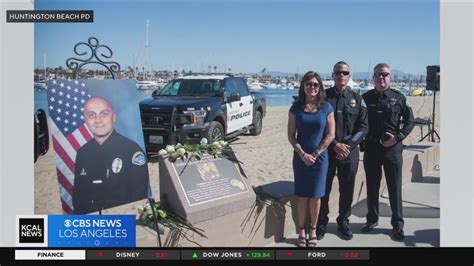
194 151
168 219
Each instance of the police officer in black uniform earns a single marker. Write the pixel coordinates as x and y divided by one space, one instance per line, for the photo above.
110 169
386 107
350 114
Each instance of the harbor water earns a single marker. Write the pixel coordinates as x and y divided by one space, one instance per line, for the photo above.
275 97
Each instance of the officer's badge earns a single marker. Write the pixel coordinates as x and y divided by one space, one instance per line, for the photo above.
116 165
138 158
393 101
352 103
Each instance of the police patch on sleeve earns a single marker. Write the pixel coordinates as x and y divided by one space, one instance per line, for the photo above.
138 158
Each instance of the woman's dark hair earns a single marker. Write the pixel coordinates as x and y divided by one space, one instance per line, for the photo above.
320 98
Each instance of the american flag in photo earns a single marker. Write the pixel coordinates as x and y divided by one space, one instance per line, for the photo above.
66 99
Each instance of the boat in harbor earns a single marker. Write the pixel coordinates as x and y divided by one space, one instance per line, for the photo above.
255 85
147 85
271 86
40 81
40 85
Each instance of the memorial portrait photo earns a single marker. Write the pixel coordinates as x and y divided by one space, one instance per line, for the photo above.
208 171
100 163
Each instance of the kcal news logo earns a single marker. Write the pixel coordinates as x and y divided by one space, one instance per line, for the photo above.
91 231
31 230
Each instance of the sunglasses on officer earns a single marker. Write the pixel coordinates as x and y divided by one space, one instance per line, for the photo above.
381 75
338 73
310 84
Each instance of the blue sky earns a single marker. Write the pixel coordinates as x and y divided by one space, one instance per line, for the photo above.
249 36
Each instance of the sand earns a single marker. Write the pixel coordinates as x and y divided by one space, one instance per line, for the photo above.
265 158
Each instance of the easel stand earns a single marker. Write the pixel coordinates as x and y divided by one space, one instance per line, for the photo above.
432 132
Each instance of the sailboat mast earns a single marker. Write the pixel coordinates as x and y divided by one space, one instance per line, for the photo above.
44 65
369 73
146 49
134 67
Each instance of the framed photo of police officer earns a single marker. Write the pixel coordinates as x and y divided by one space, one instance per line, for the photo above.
97 137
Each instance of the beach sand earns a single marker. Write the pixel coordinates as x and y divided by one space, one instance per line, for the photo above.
265 158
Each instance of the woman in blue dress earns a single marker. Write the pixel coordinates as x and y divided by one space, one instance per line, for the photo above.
311 129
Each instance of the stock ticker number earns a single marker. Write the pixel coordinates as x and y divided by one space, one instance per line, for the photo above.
350 255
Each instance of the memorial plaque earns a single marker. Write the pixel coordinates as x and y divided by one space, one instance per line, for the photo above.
204 189
208 179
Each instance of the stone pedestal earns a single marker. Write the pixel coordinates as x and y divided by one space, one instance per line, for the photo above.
204 189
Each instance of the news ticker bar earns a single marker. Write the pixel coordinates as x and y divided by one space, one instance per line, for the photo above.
189 254
50 16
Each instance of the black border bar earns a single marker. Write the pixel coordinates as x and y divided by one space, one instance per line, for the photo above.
353 256
50 16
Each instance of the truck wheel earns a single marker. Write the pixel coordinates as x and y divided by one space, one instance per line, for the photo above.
257 127
215 132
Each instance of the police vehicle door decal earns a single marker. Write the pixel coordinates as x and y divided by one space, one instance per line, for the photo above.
245 114
233 108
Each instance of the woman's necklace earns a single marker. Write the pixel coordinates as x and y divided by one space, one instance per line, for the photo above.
310 107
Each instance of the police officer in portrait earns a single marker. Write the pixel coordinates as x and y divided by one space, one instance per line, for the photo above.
387 110
110 169
350 115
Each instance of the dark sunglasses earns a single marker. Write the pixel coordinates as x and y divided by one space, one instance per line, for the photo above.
381 74
338 73
312 84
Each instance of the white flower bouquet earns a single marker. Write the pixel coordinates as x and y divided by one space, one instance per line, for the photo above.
194 151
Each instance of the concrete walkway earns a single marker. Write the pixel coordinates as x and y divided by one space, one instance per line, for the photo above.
421 209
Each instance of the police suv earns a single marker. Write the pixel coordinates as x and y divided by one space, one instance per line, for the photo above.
192 107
